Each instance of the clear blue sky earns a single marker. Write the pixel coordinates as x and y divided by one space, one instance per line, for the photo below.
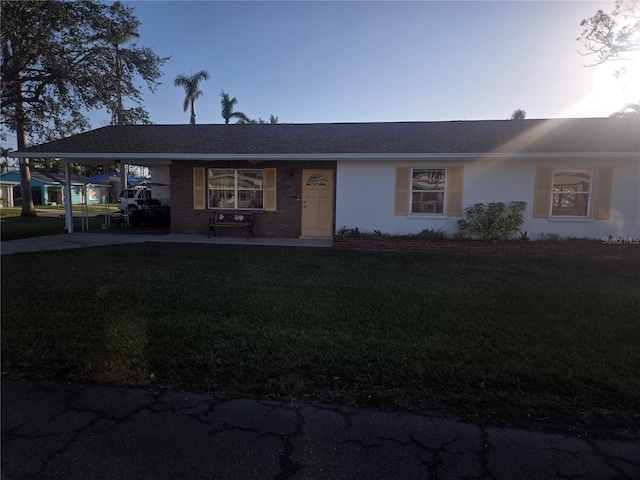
374 61
366 61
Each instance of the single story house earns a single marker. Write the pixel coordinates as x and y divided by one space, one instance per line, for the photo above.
107 178
48 189
579 177
6 192
114 181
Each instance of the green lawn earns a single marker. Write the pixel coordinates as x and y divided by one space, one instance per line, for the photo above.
412 331
59 208
14 227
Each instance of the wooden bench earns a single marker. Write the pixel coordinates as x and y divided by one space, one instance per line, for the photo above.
231 219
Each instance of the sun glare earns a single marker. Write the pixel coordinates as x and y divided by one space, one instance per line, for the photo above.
610 93
615 84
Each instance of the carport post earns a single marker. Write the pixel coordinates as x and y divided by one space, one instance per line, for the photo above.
68 207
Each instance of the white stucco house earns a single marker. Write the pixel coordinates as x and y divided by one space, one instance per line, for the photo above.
579 177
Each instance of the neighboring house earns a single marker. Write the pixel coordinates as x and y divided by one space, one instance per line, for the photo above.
48 189
106 178
6 193
113 180
579 177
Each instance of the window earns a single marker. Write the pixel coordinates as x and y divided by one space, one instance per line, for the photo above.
317 180
427 190
422 191
236 189
571 192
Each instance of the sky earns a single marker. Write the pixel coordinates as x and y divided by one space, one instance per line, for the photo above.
379 61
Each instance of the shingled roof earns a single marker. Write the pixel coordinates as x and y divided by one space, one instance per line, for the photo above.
566 136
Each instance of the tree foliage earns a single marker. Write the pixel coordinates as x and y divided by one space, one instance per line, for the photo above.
260 121
191 85
518 114
612 36
59 61
62 58
4 153
630 110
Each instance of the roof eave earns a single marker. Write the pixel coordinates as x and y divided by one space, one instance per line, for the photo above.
168 157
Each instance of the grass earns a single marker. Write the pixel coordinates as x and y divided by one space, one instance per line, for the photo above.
552 337
60 208
14 227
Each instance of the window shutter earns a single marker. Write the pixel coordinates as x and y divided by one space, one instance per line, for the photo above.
454 193
403 191
542 195
199 190
602 193
270 203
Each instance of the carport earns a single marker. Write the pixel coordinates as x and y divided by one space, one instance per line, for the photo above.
104 159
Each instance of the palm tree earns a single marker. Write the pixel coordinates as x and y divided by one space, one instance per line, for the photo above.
4 166
116 37
192 90
227 104
272 121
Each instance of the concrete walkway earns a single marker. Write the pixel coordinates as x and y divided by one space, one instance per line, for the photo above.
70 431
95 239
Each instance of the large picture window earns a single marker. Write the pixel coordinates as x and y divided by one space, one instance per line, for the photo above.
571 194
236 189
428 190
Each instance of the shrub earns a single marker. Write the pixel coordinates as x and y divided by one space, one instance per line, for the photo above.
550 237
432 234
493 221
342 232
426 234
349 232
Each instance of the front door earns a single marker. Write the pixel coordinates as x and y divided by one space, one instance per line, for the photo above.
317 203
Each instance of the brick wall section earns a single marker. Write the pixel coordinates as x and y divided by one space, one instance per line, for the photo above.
593 249
283 223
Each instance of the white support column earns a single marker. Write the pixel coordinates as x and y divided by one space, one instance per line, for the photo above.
68 208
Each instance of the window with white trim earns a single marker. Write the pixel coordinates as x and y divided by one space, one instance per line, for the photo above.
236 189
571 192
428 190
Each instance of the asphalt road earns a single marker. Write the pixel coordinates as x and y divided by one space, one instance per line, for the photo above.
71 431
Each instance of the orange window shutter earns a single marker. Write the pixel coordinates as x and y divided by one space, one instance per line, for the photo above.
542 194
199 189
403 191
454 194
602 193
270 191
